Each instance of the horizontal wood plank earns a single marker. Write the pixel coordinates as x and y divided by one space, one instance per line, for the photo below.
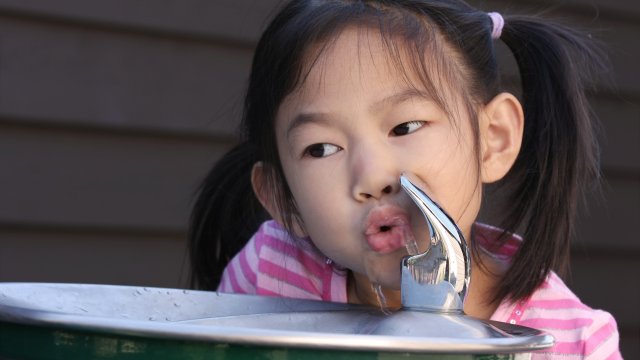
245 19
605 282
626 10
32 256
61 74
620 134
618 38
236 20
629 344
93 179
604 223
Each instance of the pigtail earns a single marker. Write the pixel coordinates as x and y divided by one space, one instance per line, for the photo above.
559 154
224 217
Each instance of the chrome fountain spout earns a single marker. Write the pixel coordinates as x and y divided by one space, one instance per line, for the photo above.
436 280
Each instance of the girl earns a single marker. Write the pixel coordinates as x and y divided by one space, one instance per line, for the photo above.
344 96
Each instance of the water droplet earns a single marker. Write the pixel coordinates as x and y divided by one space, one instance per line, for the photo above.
410 242
151 318
145 289
176 305
382 300
185 291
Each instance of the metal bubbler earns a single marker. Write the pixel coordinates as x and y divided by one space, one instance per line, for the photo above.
436 280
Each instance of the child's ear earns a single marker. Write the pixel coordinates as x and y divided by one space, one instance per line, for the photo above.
501 128
266 195
264 192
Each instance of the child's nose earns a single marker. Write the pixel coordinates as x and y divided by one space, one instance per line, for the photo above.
374 176
375 194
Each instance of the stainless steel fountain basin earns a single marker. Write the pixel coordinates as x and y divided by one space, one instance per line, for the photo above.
68 319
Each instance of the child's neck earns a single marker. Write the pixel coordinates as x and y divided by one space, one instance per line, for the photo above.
484 281
361 291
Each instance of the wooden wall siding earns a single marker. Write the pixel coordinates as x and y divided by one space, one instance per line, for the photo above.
51 72
230 22
112 111
62 177
95 257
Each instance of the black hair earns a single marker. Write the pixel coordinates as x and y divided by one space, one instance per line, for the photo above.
558 155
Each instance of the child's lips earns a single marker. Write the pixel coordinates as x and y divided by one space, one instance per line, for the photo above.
386 229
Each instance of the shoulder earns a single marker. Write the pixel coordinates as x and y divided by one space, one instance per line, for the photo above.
274 263
578 329
273 244
240 274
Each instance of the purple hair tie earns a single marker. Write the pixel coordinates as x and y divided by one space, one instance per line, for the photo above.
498 23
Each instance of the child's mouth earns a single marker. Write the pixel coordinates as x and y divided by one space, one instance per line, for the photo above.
387 229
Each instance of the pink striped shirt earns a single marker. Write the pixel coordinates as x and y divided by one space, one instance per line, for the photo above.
275 264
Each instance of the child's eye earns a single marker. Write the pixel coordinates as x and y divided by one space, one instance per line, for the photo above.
321 150
407 128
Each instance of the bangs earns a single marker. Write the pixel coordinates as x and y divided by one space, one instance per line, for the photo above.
415 47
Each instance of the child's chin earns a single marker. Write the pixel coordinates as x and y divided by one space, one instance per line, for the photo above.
387 279
384 270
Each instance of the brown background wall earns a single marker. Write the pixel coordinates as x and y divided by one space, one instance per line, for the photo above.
112 111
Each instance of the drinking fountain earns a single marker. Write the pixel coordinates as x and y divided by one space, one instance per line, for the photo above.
83 321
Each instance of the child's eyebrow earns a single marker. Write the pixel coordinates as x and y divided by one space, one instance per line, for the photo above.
388 101
400 97
307 118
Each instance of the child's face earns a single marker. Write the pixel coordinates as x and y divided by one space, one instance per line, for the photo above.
345 136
